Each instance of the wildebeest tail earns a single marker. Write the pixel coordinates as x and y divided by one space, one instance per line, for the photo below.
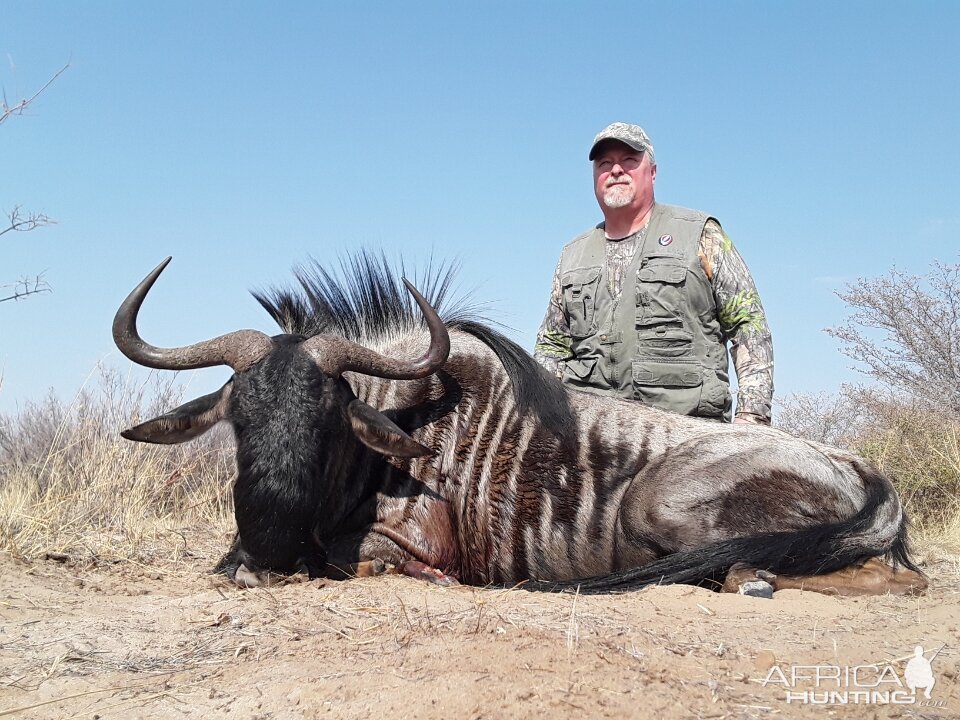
878 529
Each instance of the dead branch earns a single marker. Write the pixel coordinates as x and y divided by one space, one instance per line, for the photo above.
19 222
24 287
25 222
18 107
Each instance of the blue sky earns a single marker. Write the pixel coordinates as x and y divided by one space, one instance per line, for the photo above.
243 138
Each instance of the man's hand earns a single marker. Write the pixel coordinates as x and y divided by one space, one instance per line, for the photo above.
750 419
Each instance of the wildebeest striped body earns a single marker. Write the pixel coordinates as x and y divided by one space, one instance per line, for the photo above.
506 498
445 450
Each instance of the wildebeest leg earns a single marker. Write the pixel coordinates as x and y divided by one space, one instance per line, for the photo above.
422 571
372 568
871 577
387 546
413 567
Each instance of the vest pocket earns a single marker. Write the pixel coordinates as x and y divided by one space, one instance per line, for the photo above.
577 372
664 341
715 398
659 294
579 288
671 385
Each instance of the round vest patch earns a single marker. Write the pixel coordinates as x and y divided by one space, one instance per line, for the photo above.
665 240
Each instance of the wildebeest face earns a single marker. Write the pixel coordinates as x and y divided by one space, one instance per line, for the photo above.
294 416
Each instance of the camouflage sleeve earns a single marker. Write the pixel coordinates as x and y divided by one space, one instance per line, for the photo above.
554 344
742 321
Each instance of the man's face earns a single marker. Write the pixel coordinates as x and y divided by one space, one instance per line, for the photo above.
623 177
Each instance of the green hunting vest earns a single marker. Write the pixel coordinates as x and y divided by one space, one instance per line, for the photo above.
660 342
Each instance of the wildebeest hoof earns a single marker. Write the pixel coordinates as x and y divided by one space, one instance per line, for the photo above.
369 568
768 576
376 567
761 583
757 588
246 579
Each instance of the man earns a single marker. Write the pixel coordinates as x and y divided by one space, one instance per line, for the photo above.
643 305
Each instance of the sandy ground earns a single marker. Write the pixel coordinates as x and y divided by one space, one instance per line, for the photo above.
125 641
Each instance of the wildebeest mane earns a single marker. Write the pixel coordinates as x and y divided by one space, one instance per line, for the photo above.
367 303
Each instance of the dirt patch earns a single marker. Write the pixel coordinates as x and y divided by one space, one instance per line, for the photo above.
151 642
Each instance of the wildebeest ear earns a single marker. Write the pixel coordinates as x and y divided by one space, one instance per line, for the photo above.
186 422
380 433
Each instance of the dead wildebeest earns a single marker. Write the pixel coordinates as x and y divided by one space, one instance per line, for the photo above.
368 440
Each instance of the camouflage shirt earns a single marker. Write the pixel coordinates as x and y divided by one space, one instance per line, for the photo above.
741 317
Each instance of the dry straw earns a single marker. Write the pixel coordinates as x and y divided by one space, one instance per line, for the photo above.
70 485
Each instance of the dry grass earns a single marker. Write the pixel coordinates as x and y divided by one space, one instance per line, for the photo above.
916 445
69 484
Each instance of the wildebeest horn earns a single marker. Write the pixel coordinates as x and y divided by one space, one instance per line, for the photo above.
239 349
335 355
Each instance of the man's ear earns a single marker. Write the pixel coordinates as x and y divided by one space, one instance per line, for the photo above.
188 421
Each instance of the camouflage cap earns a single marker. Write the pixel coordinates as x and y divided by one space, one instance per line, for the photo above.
632 135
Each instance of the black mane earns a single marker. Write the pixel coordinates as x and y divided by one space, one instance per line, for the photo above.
366 302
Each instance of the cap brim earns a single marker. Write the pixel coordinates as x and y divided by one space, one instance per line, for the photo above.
598 143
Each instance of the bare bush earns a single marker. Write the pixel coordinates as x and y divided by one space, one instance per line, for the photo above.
905 330
916 445
69 483
831 419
